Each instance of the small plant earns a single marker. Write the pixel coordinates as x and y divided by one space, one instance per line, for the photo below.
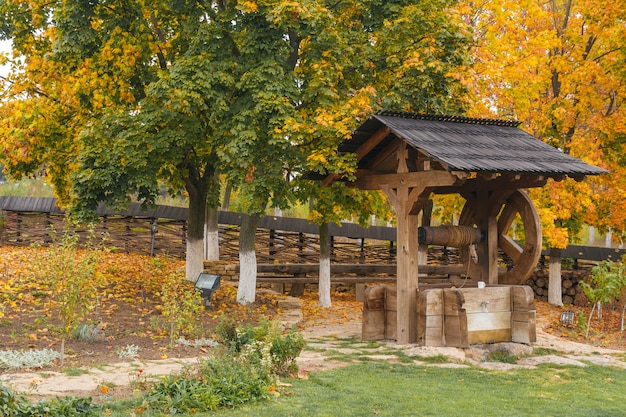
219 382
128 352
139 381
608 284
541 351
30 359
198 343
438 358
104 388
181 305
89 333
71 277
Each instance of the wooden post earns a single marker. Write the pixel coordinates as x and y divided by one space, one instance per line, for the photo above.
407 275
374 313
488 248
523 316
427 212
407 192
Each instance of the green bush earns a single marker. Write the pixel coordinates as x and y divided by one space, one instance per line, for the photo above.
246 368
283 348
13 405
219 382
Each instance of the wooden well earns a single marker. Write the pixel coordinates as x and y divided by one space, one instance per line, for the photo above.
489 163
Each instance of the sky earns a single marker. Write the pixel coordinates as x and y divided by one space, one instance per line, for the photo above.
5 46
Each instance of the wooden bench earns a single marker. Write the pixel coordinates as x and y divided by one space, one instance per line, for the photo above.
431 276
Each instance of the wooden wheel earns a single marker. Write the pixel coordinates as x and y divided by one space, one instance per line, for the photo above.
523 259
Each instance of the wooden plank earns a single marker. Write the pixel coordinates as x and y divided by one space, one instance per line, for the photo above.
358 269
523 327
522 298
455 331
374 298
454 319
373 325
431 336
489 336
523 316
419 179
391 319
402 199
430 302
453 301
488 321
487 299
391 294
362 150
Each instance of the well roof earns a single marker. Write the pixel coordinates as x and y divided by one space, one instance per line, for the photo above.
469 145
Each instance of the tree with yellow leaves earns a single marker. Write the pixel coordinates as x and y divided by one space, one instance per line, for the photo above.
559 67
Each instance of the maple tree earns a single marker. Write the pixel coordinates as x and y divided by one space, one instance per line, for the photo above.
398 55
114 99
559 68
89 103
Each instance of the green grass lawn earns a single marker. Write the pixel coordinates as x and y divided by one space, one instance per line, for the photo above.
371 389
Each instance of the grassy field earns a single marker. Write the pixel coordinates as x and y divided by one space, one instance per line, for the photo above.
375 389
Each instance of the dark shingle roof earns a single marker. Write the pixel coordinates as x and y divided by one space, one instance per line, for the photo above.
472 145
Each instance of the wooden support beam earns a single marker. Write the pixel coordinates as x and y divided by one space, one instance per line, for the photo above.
409 179
383 155
488 248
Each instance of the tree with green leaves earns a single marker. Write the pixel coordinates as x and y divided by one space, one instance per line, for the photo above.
397 55
114 99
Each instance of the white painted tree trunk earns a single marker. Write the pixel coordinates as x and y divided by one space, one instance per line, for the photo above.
324 272
211 235
194 258
246 293
555 293
195 229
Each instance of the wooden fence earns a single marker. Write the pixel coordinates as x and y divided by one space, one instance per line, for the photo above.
162 231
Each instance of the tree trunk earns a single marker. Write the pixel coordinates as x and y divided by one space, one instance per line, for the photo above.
555 293
211 235
324 273
226 201
195 232
246 292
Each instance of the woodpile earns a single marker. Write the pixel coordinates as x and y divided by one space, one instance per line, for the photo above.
571 290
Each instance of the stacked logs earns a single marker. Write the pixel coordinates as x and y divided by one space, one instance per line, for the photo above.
571 290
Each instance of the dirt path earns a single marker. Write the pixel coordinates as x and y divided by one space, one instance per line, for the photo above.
120 379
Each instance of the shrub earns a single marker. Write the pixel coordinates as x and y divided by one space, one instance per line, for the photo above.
89 333
71 277
13 405
181 305
218 382
283 348
244 371
33 359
